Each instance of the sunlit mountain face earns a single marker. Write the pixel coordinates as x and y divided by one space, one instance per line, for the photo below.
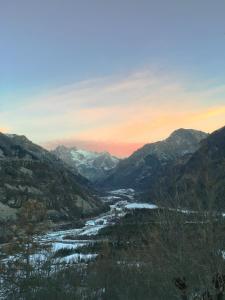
92 165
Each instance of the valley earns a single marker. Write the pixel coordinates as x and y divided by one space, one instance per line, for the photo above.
76 239
112 150
162 208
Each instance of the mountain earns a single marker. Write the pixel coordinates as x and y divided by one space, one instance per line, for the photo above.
144 165
92 165
198 181
27 171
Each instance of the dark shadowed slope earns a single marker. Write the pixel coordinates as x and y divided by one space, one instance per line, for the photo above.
147 163
27 171
198 181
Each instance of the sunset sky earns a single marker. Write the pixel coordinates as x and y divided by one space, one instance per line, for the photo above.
111 75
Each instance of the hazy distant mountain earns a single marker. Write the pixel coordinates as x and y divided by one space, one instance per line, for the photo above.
28 171
92 165
144 165
198 181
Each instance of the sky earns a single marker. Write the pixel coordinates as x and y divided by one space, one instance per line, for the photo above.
111 75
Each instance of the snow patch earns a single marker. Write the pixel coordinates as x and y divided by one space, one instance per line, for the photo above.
141 206
77 257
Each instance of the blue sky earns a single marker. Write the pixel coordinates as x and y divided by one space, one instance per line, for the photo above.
52 45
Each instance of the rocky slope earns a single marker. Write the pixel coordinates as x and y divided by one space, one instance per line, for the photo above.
28 171
92 165
197 182
143 166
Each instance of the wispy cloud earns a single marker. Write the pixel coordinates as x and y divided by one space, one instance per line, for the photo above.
124 110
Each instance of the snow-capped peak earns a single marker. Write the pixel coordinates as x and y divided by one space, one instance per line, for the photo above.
93 165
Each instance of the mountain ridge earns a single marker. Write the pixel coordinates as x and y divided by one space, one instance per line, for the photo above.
28 171
198 182
90 164
143 165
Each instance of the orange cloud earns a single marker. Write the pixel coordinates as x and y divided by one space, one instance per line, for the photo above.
118 149
151 127
211 112
119 114
3 129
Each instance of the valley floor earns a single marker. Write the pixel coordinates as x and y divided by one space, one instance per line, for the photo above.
122 201
134 251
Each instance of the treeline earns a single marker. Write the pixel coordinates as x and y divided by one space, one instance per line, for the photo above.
158 254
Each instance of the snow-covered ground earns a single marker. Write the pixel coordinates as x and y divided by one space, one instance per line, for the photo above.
140 206
115 196
77 257
74 239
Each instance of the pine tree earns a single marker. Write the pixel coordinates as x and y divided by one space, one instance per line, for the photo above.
19 270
